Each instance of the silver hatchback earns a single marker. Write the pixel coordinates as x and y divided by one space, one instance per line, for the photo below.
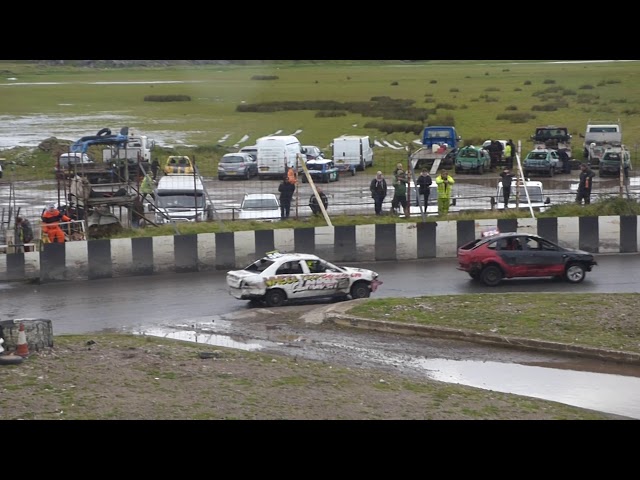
237 165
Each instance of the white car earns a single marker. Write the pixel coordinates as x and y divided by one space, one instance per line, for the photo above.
278 277
260 206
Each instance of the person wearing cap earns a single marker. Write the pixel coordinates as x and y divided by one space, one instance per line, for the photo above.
584 186
51 218
507 179
378 188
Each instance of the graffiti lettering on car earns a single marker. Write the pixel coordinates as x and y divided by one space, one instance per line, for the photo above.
281 280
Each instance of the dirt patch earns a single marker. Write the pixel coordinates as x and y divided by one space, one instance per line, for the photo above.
113 376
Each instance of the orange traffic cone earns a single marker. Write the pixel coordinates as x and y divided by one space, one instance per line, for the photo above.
22 348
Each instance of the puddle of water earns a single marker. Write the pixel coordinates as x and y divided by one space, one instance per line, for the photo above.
200 337
616 394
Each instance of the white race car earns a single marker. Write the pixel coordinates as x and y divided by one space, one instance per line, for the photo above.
278 277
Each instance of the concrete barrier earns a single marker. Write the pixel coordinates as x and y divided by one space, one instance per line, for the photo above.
97 259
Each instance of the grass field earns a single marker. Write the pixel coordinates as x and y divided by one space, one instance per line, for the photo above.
471 94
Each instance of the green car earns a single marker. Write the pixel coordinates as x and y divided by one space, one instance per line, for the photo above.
472 159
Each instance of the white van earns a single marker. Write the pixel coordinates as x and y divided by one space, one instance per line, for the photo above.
352 150
276 153
181 198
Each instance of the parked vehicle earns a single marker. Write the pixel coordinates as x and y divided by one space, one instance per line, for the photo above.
66 161
251 150
541 161
278 278
179 165
472 159
276 154
490 259
523 194
259 206
612 158
600 134
321 170
312 152
237 165
181 198
439 147
352 152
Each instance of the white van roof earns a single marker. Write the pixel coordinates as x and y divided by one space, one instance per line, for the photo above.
179 182
278 138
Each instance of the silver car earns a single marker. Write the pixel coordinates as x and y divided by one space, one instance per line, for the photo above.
237 165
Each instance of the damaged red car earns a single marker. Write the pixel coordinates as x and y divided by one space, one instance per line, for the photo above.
497 256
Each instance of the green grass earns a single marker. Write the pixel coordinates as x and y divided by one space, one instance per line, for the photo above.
473 94
582 319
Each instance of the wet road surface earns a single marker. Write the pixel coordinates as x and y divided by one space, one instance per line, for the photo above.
196 307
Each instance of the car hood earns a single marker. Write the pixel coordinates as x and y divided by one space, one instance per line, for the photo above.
365 273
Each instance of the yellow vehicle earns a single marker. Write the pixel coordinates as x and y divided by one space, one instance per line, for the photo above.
178 165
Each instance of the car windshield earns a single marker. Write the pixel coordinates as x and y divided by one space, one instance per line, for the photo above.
233 159
468 153
537 156
316 166
180 201
260 204
259 265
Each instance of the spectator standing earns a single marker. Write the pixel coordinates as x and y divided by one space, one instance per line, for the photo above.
584 187
509 153
378 187
445 182
155 166
507 179
23 234
52 218
424 182
147 186
286 190
400 193
313 202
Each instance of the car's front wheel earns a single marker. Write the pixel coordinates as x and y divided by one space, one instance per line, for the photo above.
360 290
491 275
575 273
275 297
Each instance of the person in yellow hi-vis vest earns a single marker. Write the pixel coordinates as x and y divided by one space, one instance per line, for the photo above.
445 182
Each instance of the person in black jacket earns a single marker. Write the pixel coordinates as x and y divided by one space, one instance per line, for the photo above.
378 187
584 187
286 190
424 182
507 179
313 202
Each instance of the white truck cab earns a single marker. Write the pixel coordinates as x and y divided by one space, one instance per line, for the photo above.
182 198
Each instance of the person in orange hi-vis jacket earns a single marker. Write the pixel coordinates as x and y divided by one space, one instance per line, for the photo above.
51 218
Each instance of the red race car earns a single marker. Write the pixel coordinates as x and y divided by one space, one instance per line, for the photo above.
496 256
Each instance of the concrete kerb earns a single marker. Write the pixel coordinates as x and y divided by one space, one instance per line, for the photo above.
485 338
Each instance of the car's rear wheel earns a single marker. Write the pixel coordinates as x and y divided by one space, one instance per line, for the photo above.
360 290
275 297
575 273
247 175
491 275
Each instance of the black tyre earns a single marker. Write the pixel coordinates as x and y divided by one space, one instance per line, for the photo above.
491 275
360 290
275 297
575 273
474 275
247 175
255 303
220 178
11 359
480 170
325 179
